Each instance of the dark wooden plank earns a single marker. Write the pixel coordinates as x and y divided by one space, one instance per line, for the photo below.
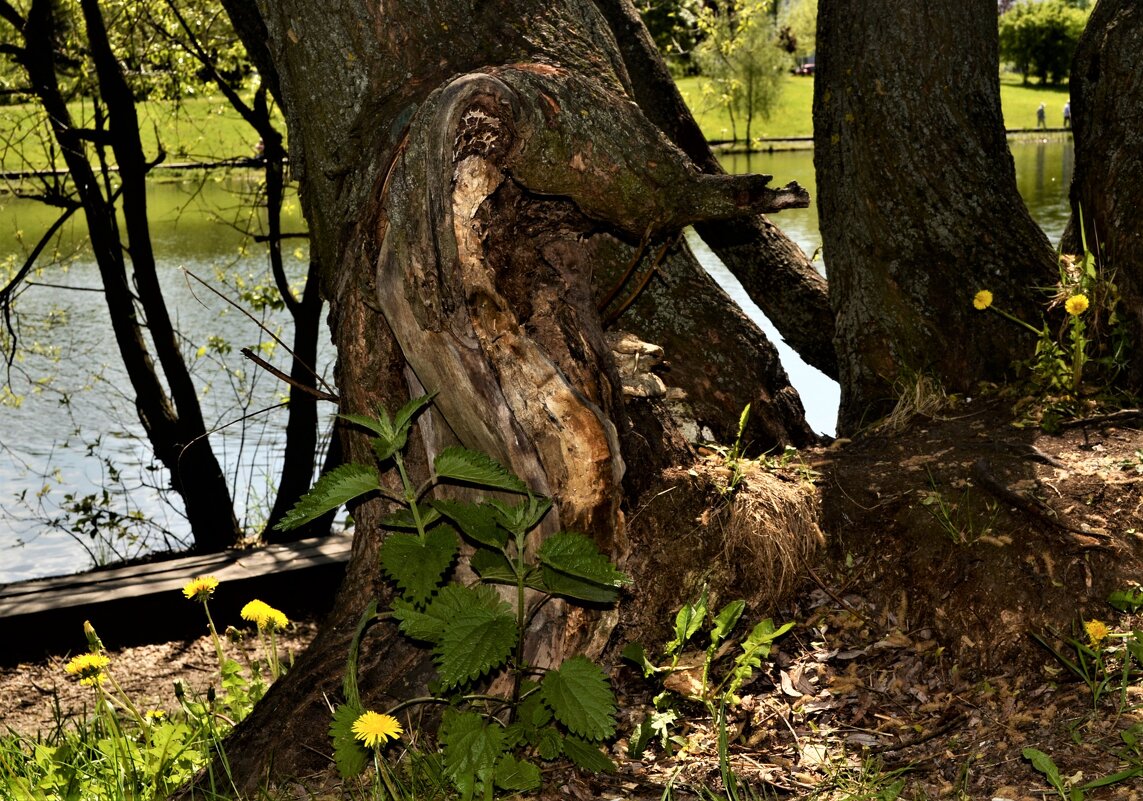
144 603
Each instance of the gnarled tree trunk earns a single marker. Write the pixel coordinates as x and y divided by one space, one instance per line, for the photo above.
1107 185
917 200
478 184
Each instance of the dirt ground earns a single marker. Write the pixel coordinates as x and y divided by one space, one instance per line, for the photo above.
914 670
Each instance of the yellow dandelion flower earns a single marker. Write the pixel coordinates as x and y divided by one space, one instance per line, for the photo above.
1076 304
200 588
1097 631
982 300
89 667
375 729
264 616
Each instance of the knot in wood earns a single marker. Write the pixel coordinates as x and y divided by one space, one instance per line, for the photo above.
483 131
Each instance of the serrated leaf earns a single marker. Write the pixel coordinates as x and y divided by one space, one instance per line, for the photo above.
349 754
516 775
418 567
755 648
475 521
429 625
403 519
550 744
406 413
379 425
492 566
587 756
471 467
554 582
524 516
580 698
577 555
474 642
338 486
471 750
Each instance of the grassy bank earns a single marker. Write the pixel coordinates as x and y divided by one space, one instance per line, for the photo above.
208 129
197 129
793 116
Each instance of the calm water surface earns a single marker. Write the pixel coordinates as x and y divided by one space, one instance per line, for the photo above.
74 416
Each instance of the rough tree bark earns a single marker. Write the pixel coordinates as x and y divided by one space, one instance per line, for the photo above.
1107 185
477 183
906 248
771 267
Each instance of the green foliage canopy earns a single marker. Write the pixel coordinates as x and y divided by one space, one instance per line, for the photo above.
1039 38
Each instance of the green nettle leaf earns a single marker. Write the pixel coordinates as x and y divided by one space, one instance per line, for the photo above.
403 519
429 625
574 567
379 425
550 744
471 467
516 775
524 516
640 738
492 566
471 750
474 642
338 486
410 410
475 521
555 583
580 698
418 567
349 754
587 756
389 439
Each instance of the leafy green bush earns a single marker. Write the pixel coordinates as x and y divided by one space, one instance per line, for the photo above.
476 636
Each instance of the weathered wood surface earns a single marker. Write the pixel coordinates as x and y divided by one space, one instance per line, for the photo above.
144 603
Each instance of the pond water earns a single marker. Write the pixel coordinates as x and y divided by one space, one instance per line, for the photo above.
75 422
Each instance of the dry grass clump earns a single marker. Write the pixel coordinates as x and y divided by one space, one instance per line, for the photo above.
770 529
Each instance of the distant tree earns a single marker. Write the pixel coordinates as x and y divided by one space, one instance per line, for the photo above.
740 55
800 17
1039 38
673 24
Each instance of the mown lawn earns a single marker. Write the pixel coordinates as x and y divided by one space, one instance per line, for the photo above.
208 129
793 115
196 129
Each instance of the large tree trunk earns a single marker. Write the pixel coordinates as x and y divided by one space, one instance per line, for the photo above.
771 267
1107 185
917 200
477 184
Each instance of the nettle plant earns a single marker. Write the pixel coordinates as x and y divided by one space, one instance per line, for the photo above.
476 636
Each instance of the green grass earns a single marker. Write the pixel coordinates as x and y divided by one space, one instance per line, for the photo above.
793 115
197 129
208 129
